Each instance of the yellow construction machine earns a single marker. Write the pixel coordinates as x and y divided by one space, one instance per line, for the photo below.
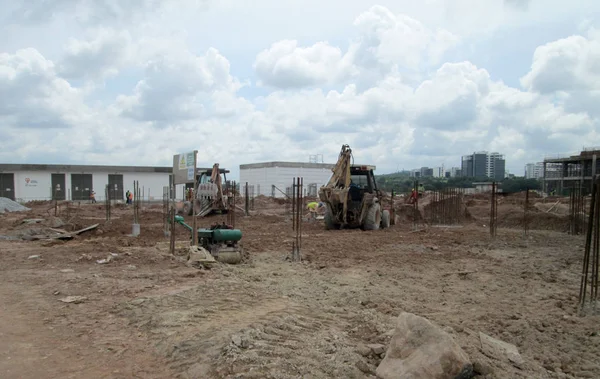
351 196
210 197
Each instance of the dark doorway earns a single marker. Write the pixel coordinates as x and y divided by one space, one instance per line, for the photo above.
58 187
7 186
115 187
81 186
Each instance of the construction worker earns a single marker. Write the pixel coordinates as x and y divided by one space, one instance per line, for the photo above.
413 196
313 207
93 196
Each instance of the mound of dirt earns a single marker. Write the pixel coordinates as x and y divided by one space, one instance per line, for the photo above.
513 217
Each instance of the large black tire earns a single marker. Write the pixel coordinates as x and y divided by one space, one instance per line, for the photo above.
385 219
330 223
373 217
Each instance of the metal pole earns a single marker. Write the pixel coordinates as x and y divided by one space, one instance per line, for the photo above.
526 213
247 200
293 204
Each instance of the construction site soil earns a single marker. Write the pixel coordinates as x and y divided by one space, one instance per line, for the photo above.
142 313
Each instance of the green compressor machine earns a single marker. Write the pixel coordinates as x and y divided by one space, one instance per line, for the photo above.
220 240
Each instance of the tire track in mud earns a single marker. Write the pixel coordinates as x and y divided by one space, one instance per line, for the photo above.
193 329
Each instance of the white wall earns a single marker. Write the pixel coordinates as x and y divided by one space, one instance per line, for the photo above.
151 184
40 183
263 178
38 187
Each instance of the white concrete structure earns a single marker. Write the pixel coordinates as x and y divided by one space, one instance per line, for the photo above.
454 172
534 170
439 172
27 182
274 178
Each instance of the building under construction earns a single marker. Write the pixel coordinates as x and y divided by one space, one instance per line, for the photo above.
561 173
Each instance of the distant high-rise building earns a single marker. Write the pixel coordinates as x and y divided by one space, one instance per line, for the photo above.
452 172
482 164
534 170
439 172
426 172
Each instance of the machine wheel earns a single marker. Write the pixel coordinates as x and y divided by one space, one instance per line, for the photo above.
230 257
329 221
187 208
373 217
385 219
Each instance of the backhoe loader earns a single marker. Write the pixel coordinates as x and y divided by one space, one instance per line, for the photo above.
210 197
351 196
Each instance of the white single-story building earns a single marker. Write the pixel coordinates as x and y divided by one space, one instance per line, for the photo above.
27 182
275 178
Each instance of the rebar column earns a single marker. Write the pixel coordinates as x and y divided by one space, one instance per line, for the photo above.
246 200
297 208
591 251
526 213
493 210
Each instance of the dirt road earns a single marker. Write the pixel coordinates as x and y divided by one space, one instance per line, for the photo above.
148 315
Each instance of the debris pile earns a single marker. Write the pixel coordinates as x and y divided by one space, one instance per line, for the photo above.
7 205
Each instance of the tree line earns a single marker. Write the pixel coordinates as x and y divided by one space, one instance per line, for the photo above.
402 183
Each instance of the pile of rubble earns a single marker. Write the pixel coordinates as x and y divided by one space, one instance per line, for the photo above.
7 205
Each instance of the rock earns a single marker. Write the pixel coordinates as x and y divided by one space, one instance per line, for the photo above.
420 349
362 366
239 341
66 270
501 350
56 222
73 299
482 368
33 257
32 221
363 350
376 348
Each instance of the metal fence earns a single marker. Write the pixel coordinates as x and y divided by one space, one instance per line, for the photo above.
446 207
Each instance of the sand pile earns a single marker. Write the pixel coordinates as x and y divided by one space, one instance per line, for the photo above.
7 205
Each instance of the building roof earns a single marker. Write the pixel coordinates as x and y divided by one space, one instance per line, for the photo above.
286 165
586 154
57 168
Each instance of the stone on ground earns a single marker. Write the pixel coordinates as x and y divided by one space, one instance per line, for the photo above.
500 350
421 349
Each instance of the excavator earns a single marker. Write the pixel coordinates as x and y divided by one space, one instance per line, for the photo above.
209 198
351 196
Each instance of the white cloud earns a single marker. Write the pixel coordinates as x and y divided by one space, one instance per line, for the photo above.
286 65
388 90
177 87
91 12
100 56
33 96
386 41
399 39
569 64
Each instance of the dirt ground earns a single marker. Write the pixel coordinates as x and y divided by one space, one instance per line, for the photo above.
147 315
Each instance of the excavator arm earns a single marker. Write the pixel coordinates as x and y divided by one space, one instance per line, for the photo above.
341 170
215 178
336 190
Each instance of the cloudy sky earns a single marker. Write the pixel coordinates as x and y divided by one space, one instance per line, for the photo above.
405 83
